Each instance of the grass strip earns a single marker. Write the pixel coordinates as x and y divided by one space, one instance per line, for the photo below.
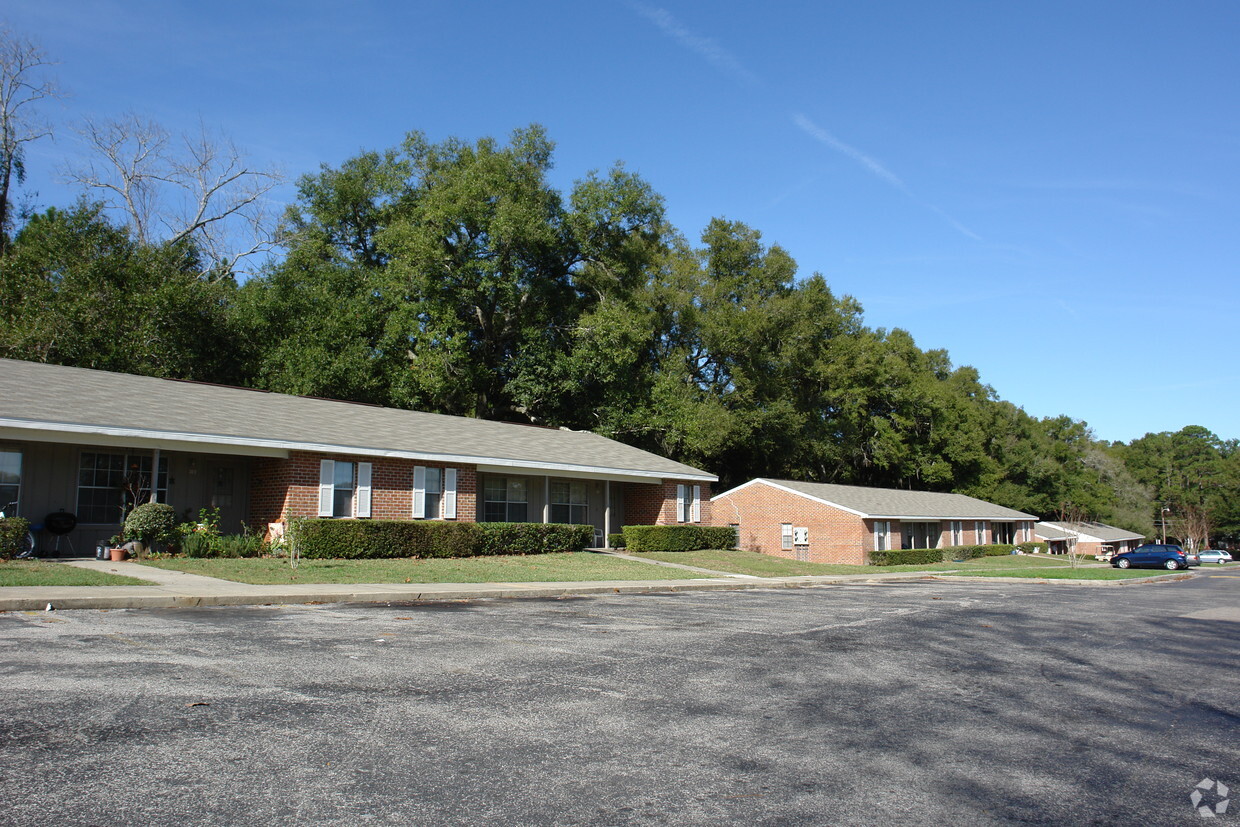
1067 573
48 573
767 565
552 568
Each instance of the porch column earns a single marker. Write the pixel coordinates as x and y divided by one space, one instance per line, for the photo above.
155 477
547 499
607 514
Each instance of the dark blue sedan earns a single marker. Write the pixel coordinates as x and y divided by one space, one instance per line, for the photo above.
1155 556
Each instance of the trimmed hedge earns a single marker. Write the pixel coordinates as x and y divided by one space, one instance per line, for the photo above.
615 541
12 531
926 556
678 537
533 538
1033 548
370 539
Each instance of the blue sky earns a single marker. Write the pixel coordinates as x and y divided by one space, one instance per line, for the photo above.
1049 191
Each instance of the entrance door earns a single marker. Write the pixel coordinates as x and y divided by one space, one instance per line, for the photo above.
224 487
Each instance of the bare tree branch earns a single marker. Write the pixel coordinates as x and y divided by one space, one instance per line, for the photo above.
197 186
21 87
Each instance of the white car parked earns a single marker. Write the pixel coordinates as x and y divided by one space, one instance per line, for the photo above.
1210 555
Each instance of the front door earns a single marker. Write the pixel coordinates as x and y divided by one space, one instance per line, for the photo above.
224 487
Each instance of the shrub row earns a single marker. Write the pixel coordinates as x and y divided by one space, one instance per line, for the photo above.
926 556
12 531
358 539
677 537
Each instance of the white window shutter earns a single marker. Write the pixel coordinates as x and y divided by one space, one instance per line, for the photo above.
680 503
697 504
449 493
327 490
419 492
363 490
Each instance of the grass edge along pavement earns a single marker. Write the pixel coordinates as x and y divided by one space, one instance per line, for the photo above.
768 565
52 574
539 568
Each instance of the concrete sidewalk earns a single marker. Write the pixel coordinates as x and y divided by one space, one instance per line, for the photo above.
174 589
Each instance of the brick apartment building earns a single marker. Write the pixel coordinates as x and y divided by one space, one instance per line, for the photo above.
1091 537
824 523
87 442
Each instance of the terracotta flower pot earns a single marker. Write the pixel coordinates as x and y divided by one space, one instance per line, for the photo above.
118 554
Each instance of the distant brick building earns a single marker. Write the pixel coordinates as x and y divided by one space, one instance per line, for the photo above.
1091 537
824 523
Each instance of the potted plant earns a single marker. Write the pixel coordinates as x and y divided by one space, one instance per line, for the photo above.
116 550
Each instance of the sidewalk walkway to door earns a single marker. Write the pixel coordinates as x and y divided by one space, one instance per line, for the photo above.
173 589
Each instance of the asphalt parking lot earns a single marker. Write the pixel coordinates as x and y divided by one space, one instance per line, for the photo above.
918 703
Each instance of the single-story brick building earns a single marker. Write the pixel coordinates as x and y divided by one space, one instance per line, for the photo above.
825 523
91 442
1091 537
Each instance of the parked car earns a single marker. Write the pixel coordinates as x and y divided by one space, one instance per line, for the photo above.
1213 555
1155 556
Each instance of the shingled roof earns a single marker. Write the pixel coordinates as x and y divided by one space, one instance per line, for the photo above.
1087 531
55 403
895 503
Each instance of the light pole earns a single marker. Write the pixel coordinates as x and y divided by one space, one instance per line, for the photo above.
1163 521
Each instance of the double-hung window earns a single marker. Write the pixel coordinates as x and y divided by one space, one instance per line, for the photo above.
920 535
882 535
689 503
957 531
434 493
109 485
10 480
570 502
344 488
505 500
979 528
785 536
1002 533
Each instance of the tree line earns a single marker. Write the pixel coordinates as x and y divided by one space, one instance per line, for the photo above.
453 277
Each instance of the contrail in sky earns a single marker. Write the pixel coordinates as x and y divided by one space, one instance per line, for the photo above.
715 54
724 61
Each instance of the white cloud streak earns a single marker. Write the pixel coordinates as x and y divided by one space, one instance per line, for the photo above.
704 47
824 137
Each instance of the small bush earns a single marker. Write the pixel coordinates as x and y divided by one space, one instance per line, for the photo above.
615 540
12 531
1032 548
927 556
197 545
533 538
906 557
678 537
152 523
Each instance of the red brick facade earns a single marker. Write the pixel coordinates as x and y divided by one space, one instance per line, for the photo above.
835 535
281 489
646 504
285 488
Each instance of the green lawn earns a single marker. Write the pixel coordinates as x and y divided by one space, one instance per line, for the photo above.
46 573
1092 573
509 569
766 565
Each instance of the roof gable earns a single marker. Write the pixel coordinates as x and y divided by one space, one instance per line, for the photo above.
893 503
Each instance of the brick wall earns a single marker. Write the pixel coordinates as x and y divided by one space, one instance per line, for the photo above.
647 504
835 536
285 488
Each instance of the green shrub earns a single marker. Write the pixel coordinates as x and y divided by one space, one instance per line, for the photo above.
369 539
615 540
533 538
12 531
1032 548
152 523
926 556
906 557
678 537
197 545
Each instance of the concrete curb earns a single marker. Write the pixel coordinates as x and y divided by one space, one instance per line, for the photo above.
205 591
